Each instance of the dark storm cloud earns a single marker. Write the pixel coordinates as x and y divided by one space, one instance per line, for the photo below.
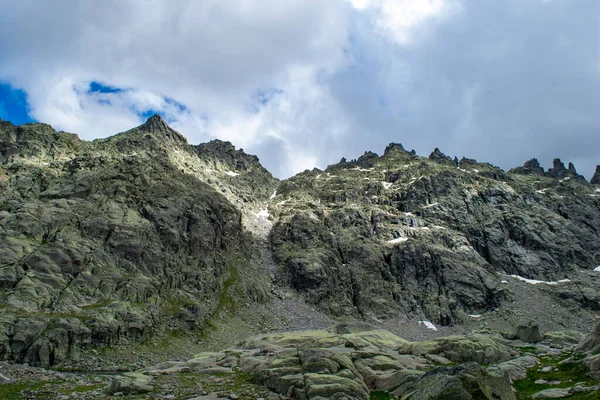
497 81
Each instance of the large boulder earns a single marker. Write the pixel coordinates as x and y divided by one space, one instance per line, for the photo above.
462 382
529 332
591 344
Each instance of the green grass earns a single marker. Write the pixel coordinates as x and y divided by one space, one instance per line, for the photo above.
527 349
380 395
12 391
568 373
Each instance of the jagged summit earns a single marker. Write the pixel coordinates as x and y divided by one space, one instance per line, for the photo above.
156 125
439 157
558 171
531 167
226 153
596 178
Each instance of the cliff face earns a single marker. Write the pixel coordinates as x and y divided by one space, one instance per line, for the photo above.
112 241
433 238
140 235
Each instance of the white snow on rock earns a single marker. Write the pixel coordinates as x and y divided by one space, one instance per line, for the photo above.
430 205
597 269
543 191
231 173
273 195
263 213
537 282
386 185
428 325
475 315
398 240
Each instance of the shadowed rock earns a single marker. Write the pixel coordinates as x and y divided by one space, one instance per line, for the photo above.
439 157
529 332
596 178
531 167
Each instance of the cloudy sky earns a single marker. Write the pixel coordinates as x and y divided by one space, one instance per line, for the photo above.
302 83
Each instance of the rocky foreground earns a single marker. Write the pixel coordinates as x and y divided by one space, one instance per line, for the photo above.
353 361
124 252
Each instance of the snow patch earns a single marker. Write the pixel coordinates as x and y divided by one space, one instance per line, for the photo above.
231 173
273 195
565 179
428 325
430 205
363 169
537 282
597 269
503 281
543 191
263 213
386 185
398 240
475 315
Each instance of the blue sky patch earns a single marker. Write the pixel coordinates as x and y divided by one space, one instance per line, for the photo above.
97 87
13 105
262 97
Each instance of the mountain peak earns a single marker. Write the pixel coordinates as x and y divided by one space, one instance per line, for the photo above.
157 126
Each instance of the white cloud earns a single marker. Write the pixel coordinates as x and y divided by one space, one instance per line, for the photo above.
397 19
209 55
303 83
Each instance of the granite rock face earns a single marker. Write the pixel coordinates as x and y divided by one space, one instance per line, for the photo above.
106 242
429 238
120 239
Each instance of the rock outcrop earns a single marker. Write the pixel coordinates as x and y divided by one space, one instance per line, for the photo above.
424 238
596 178
107 242
531 167
439 157
591 344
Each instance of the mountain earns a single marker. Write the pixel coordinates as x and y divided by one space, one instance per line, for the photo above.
126 251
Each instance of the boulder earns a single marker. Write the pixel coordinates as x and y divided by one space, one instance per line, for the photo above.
515 369
591 344
466 381
483 349
552 394
529 332
130 384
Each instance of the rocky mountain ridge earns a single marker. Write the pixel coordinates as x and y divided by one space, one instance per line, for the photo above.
146 244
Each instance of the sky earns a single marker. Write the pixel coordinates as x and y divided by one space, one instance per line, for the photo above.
303 83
